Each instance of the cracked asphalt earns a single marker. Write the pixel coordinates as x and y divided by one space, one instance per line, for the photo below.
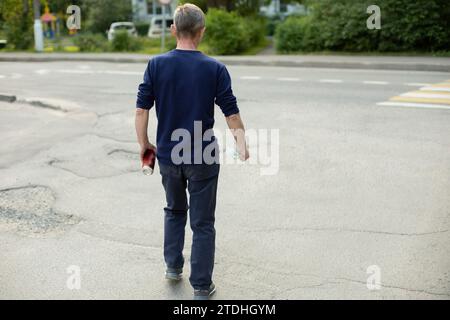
359 185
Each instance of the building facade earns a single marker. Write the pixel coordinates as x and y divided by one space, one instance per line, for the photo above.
145 10
276 8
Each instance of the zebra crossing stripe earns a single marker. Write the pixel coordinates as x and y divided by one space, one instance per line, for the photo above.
421 100
413 105
427 94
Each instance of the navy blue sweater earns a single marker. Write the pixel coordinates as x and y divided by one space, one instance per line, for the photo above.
184 85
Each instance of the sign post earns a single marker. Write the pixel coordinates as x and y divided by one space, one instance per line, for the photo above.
163 3
38 34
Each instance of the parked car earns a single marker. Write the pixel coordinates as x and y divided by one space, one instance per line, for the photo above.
3 43
155 29
119 26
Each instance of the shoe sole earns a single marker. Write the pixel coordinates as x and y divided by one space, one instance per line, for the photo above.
174 278
205 297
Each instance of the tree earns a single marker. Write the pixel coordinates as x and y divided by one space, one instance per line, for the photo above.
18 20
243 7
99 14
60 6
199 3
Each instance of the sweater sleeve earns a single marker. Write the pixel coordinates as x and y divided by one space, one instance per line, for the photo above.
145 95
225 98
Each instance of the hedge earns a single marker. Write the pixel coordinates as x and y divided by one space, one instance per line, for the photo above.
229 33
122 41
17 23
420 25
142 28
90 42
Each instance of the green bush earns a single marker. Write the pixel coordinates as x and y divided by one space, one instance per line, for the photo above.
122 41
17 23
254 29
142 28
89 42
289 35
229 33
224 33
99 14
421 25
272 24
153 45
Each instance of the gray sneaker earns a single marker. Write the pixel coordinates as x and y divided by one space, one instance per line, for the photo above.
206 293
174 274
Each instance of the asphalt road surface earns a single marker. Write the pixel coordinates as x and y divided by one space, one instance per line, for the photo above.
358 206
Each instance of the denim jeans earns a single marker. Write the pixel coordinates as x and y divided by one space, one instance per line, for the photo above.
200 180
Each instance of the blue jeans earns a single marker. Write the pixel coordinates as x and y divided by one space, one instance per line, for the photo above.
201 182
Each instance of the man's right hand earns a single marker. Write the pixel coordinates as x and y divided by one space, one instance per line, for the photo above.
244 155
145 147
236 126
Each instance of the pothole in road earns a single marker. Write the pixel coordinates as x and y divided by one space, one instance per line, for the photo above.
112 163
123 154
124 160
30 209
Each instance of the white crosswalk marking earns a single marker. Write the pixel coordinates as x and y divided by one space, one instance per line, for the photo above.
417 84
75 71
376 82
413 105
435 89
330 80
288 79
117 72
250 78
126 73
42 71
426 95
432 96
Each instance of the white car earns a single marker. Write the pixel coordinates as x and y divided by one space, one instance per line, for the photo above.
155 30
119 26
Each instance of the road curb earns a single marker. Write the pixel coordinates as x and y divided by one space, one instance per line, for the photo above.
342 65
282 61
7 98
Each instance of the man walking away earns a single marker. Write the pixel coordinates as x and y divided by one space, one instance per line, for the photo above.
185 84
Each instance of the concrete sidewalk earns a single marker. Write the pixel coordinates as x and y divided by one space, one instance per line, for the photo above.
439 64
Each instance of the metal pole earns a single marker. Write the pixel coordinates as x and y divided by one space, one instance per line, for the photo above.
277 6
38 36
163 33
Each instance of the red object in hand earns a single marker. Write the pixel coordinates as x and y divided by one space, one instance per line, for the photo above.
148 161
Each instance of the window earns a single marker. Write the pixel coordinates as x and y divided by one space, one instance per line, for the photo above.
158 9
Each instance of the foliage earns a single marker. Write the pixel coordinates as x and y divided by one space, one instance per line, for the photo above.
272 24
17 17
229 33
254 30
142 28
421 25
224 32
99 14
122 41
199 3
247 7
89 42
